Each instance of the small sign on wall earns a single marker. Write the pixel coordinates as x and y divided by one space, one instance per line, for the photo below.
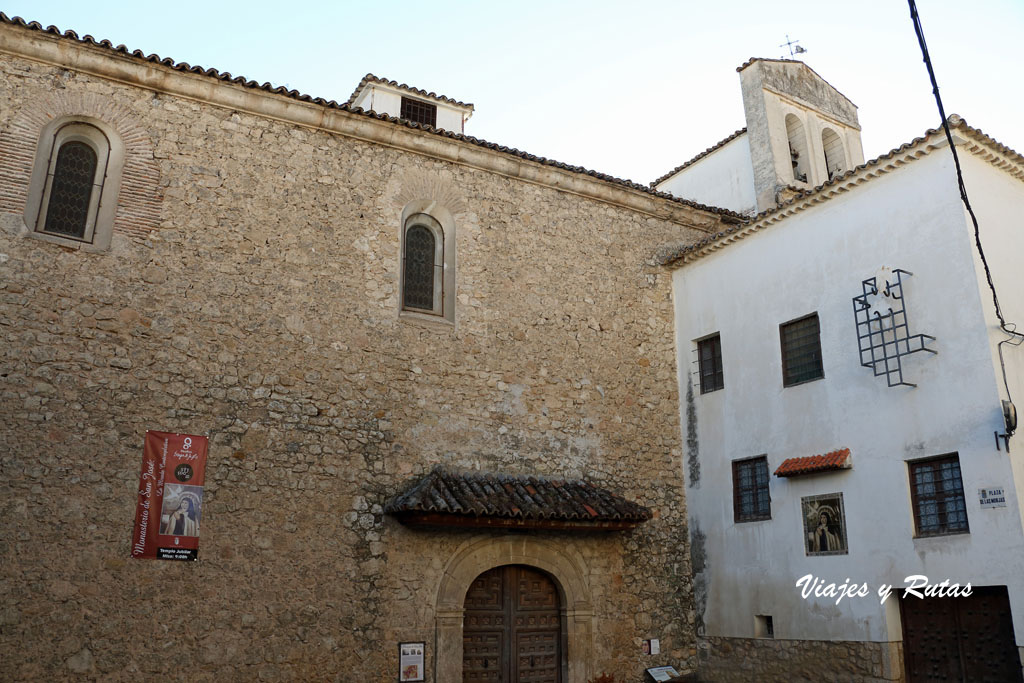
662 673
992 497
652 647
410 662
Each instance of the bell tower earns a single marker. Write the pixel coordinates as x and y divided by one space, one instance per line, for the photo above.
802 131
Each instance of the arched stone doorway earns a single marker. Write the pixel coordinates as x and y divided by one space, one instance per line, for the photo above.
512 627
557 561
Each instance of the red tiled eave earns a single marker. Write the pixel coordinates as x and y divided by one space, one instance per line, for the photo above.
836 460
445 498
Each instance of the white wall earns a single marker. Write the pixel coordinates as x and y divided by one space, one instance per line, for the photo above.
724 178
997 199
814 261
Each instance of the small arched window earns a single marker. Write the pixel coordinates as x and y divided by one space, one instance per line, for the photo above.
70 195
423 265
835 157
797 148
75 183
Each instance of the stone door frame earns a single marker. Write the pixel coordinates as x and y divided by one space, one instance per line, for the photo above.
483 553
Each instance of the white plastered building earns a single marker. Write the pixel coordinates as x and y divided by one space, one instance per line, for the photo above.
801 405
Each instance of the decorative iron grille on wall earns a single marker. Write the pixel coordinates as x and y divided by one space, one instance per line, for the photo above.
883 334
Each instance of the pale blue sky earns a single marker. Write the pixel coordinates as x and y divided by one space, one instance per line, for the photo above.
628 89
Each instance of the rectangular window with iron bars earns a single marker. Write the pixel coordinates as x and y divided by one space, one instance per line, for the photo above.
937 494
709 364
751 500
801 351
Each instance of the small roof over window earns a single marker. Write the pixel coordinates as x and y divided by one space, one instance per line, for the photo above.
836 460
477 499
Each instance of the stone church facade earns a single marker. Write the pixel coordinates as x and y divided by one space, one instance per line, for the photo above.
241 277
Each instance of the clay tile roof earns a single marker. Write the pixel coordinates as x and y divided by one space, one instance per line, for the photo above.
805 198
370 78
794 467
479 494
709 150
727 215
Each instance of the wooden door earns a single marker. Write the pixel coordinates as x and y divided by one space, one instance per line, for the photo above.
966 640
512 628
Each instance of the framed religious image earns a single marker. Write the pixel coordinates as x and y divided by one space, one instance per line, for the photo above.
410 662
824 524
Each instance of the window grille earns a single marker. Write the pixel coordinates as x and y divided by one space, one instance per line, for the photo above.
709 358
801 351
937 493
420 247
751 500
419 112
71 191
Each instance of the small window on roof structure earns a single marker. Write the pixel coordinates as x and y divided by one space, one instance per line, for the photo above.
419 111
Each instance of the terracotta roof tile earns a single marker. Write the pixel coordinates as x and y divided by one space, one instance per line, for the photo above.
370 78
793 467
479 494
728 215
709 150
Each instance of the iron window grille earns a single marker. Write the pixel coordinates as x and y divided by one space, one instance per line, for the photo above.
419 112
423 267
750 497
71 188
801 351
937 494
709 362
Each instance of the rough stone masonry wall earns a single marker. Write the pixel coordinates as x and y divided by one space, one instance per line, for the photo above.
261 310
741 660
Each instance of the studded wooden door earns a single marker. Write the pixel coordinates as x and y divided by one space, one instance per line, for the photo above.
967 640
511 632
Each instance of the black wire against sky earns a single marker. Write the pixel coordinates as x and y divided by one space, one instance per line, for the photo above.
1008 328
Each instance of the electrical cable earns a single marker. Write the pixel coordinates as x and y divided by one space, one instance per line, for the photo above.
1010 329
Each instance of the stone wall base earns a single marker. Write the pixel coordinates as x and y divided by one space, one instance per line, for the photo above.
735 660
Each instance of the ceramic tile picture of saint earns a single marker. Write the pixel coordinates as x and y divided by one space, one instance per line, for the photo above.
824 524
182 508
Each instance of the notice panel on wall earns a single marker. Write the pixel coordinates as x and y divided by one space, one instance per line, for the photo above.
170 504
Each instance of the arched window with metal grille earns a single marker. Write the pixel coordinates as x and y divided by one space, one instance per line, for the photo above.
75 182
423 265
71 190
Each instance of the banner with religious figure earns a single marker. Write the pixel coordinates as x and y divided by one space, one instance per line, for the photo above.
170 506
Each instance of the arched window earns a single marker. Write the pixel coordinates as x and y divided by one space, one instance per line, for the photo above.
70 195
835 157
75 181
423 265
798 148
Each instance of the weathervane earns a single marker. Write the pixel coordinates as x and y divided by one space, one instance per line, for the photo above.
794 49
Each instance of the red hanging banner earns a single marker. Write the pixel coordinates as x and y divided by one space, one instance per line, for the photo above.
170 497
